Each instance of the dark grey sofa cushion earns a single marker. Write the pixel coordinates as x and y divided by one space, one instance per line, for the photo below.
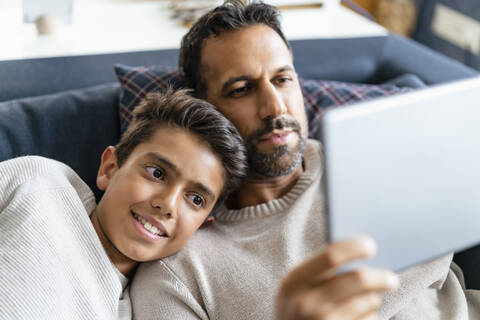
73 127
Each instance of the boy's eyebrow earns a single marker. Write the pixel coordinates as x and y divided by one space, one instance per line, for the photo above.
173 167
168 163
205 190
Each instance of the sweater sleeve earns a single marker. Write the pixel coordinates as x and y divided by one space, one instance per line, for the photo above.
52 264
157 293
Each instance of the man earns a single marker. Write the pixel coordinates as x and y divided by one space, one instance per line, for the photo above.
266 256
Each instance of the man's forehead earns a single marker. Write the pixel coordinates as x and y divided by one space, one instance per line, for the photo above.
239 52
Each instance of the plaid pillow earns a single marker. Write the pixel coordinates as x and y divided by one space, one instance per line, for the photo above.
136 82
321 94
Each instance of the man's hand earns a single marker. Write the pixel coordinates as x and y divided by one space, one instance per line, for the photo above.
314 290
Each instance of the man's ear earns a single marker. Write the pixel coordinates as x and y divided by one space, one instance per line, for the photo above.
108 167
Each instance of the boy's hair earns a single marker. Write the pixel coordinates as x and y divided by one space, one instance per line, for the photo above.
177 109
231 15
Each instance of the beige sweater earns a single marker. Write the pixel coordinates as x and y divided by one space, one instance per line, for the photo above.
232 270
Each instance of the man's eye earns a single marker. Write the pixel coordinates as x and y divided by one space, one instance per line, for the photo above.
197 200
238 92
156 173
283 80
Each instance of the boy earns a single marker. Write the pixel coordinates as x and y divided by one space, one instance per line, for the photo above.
62 256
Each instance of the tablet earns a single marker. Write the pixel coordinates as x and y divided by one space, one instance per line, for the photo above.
406 171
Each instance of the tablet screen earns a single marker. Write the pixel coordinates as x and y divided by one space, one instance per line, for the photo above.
406 171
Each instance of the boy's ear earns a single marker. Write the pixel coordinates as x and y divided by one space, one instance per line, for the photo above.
108 167
207 222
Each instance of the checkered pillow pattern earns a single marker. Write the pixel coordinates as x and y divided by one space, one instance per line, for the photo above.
136 82
321 94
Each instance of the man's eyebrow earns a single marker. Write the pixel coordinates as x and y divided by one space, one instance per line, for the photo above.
198 185
285 68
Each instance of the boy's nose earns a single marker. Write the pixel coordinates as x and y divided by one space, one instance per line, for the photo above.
167 202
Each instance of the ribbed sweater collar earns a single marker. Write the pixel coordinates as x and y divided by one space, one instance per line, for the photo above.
313 165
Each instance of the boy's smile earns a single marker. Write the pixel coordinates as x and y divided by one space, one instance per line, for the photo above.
159 196
147 226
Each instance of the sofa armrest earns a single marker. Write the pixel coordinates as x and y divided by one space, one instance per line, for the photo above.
401 55
374 60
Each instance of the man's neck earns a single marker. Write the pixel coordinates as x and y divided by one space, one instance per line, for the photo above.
256 190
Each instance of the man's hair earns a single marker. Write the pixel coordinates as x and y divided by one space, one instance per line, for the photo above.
231 15
177 109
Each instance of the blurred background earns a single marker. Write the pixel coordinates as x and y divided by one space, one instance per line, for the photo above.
43 28
451 27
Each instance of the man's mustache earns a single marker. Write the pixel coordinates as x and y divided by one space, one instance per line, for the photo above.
270 124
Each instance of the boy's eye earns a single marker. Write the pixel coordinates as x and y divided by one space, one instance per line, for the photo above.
197 200
156 173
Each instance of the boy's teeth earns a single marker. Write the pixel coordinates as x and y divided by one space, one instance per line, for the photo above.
147 225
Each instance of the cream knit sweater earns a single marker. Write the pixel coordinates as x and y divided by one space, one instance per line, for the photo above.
232 270
52 264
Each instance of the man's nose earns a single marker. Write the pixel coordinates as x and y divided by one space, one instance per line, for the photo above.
166 201
271 102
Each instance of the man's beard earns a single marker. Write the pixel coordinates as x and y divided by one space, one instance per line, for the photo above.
282 160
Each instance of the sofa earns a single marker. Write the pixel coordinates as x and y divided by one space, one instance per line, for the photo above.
66 108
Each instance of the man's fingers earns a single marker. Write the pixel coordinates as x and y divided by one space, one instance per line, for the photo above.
372 316
315 290
354 293
358 307
331 257
346 285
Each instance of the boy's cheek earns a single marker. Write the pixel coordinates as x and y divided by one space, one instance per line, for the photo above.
193 223
137 188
